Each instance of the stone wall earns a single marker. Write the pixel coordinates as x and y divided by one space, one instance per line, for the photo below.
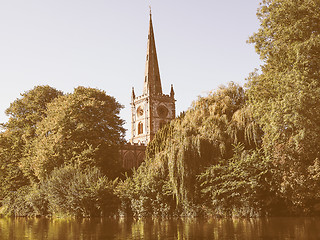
132 155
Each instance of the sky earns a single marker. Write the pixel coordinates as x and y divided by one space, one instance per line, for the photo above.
201 45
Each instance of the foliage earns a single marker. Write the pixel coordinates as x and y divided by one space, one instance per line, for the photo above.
146 193
236 152
158 144
69 191
19 133
285 96
27 201
82 127
47 130
11 176
241 186
202 137
88 192
26 112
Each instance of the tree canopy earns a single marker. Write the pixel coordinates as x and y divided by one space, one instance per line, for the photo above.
57 152
47 129
81 127
246 152
181 151
240 151
285 96
19 133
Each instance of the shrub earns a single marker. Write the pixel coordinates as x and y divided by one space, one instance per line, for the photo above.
72 191
27 201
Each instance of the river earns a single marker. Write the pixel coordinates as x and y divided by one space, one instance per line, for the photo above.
126 229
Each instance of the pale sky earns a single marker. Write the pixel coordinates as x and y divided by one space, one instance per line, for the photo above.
201 44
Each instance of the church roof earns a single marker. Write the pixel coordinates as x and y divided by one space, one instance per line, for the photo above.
152 82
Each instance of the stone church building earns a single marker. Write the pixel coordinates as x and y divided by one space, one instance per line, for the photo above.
150 111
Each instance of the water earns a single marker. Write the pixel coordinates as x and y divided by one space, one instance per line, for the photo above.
123 229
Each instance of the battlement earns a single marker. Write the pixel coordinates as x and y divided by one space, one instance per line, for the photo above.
155 95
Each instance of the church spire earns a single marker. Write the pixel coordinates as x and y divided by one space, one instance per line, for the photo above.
153 109
152 82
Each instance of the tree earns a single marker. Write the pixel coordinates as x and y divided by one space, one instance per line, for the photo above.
87 194
26 112
240 186
285 96
184 149
11 175
205 136
82 127
19 133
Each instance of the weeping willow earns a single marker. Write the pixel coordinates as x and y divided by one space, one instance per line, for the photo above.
201 137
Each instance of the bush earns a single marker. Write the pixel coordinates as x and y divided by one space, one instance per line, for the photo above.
241 186
72 191
27 201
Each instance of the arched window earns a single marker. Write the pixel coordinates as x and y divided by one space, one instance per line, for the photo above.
140 128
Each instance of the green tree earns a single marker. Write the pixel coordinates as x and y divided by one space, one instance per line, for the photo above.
11 175
82 127
26 112
285 96
202 137
241 186
205 136
147 192
19 133
87 193
27 201
69 191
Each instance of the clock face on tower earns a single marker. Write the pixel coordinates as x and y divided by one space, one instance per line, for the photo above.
140 111
162 111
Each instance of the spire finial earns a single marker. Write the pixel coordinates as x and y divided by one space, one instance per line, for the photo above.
172 91
150 9
133 95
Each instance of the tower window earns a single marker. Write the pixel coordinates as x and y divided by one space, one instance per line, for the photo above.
140 111
140 128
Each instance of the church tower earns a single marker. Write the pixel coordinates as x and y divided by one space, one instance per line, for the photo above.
152 109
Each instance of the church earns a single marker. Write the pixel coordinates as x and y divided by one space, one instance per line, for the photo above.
149 111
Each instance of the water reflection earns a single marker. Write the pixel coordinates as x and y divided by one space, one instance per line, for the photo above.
181 229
